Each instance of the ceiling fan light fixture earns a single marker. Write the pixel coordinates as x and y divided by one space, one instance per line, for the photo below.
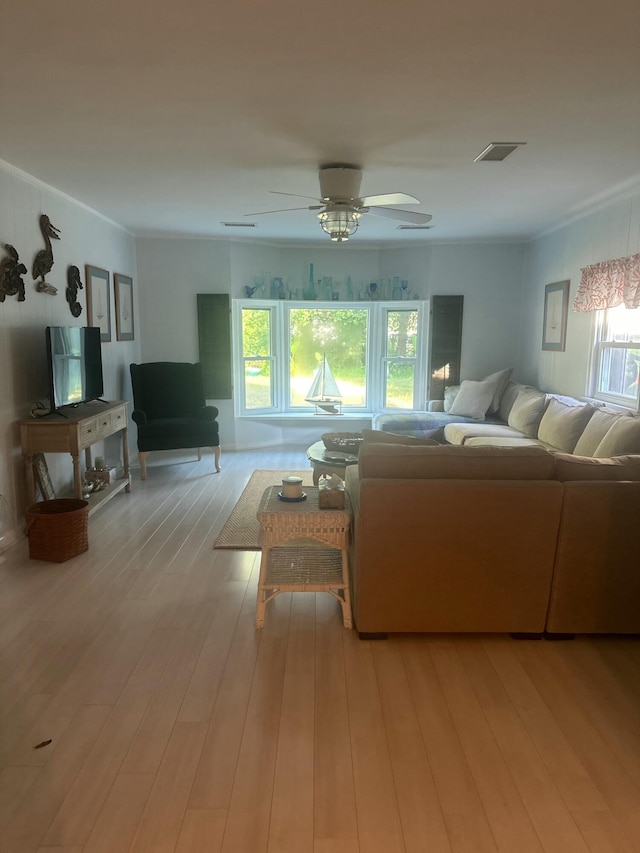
339 223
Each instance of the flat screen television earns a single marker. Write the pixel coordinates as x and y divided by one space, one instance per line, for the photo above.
74 358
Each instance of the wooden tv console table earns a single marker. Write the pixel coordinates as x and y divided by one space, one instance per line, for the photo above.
84 426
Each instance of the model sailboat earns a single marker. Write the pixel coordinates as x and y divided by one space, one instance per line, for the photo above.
324 392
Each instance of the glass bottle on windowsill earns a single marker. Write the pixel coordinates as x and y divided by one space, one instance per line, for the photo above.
310 292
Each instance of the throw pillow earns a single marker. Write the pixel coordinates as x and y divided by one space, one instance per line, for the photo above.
527 411
501 377
599 425
561 425
378 436
473 399
450 394
511 391
621 439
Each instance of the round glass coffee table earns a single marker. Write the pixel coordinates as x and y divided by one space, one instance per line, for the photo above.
325 461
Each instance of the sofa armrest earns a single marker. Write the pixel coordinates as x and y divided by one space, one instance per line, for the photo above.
435 405
139 417
207 413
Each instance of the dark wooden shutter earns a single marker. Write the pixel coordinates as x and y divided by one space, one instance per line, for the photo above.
214 340
445 344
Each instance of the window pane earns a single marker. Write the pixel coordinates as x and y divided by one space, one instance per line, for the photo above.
402 333
623 324
619 370
257 384
256 331
400 384
340 335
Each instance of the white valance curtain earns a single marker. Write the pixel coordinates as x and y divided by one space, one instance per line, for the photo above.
608 284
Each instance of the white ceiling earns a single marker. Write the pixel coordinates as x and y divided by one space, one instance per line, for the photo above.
170 118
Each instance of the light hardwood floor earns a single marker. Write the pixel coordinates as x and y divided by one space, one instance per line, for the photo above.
176 727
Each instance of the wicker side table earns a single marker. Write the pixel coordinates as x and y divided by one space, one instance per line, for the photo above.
304 549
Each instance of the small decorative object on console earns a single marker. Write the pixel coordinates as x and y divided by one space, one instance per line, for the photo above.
103 476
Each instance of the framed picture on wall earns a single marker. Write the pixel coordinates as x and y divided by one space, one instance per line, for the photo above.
556 309
98 301
123 289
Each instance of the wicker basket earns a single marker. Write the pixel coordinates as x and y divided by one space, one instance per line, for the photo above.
343 442
57 529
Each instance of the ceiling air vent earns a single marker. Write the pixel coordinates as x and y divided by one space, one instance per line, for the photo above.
497 151
414 227
239 224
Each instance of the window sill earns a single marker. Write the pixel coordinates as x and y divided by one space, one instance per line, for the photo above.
305 417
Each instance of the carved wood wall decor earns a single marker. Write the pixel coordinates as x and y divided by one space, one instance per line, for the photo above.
73 285
11 272
43 261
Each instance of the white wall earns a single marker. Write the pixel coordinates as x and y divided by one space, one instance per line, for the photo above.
173 271
85 237
611 232
489 275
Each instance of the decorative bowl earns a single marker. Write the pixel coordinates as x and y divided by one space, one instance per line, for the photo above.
343 442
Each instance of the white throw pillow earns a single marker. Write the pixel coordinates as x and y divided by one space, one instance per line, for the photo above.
473 399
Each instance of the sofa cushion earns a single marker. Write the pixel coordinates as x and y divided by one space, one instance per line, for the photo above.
489 441
561 425
462 432
568 466
396 461
623 437
473 399
380 436
500 377
511 391
598 426
527 411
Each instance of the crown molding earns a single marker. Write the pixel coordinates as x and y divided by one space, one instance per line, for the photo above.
36 182
621 192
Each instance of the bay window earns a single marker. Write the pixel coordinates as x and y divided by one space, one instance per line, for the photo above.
376 353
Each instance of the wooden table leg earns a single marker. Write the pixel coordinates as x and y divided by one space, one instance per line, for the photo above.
125 458
29 479
77 477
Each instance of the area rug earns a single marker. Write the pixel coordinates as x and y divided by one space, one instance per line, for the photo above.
242 529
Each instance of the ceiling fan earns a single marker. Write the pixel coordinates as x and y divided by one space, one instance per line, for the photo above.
341 205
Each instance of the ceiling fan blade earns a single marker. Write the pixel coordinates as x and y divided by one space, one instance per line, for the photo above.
286 210
295 195
403 215
389 198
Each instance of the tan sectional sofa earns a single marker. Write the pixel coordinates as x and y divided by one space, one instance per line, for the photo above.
451 538
521 416
529 416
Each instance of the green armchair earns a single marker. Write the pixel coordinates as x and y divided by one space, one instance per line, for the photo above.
170 411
